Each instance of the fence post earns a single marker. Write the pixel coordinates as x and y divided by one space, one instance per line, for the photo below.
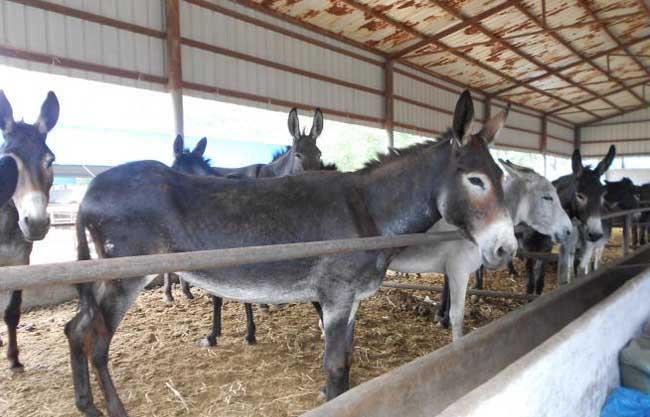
627 226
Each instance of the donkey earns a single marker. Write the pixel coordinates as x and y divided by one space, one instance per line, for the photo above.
193 162
582 196
619 195
146 207
531 199
302 156
26 169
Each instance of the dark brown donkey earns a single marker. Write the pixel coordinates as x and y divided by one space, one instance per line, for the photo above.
24 219
146 207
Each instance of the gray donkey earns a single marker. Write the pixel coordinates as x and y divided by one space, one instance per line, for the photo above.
146 207
27 168
302 155
531 199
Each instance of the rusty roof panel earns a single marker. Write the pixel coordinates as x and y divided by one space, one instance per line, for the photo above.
627 28
392 26
597 104
623 99
572 94
420 15
451 66
620 66
345 20
528 97
584 73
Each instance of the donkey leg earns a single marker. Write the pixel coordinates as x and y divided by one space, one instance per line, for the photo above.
116 299
511 269
530 288
211 339
338 319
540 272
167 279
479 278
458 290
443 311
185 286
78 332
319 311
250 324
12 318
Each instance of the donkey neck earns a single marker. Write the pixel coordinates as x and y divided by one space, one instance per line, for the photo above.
401 194
283 165
514 191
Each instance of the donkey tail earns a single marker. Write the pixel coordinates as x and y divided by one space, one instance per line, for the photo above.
83 252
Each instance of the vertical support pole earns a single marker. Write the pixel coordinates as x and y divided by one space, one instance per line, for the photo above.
577 139
543 140
627 227
487 110
174 65
389 121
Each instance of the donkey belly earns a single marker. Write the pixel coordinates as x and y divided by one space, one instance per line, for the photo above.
435 257
268 283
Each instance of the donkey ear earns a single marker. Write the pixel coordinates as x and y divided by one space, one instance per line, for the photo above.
294 125
8 178
317 125
49 113
604 165
199 149
463 115
491 127
178 146
576 162
507 165
6 114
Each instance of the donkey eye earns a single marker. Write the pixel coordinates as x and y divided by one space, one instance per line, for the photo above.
547 198
477 181
581 198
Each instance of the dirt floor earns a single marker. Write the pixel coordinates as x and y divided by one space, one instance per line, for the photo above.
160 372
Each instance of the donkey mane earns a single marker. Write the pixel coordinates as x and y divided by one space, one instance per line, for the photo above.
278 153
395 153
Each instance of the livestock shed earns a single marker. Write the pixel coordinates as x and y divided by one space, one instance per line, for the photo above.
559 87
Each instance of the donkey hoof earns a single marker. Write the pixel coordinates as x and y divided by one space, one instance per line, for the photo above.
251 340
207 342
322 395
189 295
474 298
17 368
168 299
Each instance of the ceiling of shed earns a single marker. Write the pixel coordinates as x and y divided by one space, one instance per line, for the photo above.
582 60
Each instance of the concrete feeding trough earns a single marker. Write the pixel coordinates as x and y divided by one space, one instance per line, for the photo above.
557 356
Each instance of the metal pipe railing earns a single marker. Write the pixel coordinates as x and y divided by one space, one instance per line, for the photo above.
75 272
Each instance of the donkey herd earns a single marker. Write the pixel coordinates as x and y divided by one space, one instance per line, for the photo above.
145 207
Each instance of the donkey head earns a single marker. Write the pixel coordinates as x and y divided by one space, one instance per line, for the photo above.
25 144
589 195
304 150
191 162
472 195
621 195
538 205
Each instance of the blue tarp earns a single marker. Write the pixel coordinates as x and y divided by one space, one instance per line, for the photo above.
625 402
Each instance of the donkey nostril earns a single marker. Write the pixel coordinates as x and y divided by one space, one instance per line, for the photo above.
501 252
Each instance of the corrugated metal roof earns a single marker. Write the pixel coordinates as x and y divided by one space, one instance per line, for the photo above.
581 59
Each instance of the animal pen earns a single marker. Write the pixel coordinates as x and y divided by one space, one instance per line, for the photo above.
570 75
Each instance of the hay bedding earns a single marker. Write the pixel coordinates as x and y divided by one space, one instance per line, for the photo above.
160 372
